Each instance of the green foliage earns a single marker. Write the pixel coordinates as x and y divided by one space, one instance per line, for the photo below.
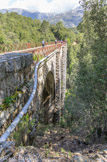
16 31
44 26
42 129
37 57
47 152
2 38
23 130
9 100
87 73
60 32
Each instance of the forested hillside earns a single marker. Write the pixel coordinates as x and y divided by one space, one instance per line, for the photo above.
15 30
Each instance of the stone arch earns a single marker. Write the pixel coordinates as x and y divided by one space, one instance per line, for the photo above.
48 99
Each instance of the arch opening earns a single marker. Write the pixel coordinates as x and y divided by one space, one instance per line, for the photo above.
48 100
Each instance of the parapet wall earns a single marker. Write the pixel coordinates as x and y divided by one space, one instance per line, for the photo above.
15 70
16 82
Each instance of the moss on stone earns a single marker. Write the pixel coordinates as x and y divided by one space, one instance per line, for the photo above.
9 100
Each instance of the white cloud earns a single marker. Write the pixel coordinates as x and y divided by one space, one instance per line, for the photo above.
41 5
4 4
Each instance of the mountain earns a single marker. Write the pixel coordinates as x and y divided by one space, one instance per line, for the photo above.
27 13
70 19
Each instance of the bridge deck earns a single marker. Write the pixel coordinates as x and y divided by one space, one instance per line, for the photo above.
46 50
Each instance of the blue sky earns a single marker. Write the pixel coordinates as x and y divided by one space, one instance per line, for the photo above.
41 5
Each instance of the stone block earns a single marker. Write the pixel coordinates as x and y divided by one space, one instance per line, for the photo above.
10 66
10 82
17 63
2 69
2 95
22 62
28 59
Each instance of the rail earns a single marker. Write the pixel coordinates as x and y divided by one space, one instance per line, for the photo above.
18 47
13 125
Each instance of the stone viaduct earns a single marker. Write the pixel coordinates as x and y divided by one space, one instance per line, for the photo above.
33 86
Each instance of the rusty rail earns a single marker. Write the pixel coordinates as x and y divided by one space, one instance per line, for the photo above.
45 51
17 47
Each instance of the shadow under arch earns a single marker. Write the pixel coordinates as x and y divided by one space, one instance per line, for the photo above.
48 100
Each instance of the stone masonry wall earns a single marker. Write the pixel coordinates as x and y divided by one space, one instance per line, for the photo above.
16 77
14 71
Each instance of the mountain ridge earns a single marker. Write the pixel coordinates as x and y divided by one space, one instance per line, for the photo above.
70 18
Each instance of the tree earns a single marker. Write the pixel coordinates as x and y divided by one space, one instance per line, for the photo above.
91 81
44 27
87 72
2 36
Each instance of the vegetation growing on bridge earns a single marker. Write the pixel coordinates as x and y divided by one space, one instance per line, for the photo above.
37 57
10 100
